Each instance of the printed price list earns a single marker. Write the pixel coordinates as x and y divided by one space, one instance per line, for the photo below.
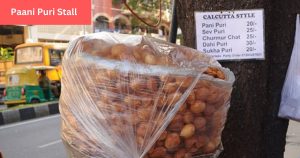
231 35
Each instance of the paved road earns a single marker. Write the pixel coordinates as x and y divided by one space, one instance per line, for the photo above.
293 141
37 138
3 107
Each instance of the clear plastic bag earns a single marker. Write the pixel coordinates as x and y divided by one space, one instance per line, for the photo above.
290 96
126 96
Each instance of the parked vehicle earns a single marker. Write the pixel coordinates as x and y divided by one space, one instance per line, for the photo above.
42 54
4 66
6 62
23 85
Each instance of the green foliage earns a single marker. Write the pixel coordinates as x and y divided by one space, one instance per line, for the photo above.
116 1
6 54
148 5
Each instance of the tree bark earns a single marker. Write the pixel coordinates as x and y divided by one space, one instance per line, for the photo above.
253 129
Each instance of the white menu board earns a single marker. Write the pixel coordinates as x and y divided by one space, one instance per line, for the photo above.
231 35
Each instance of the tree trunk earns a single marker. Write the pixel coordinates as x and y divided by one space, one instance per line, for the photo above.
253 129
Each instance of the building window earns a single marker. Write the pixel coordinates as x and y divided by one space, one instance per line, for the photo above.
120 25
101 24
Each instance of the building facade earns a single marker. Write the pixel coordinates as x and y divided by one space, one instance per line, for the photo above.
106 16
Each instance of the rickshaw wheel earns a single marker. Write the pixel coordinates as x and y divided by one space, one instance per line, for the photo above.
33 101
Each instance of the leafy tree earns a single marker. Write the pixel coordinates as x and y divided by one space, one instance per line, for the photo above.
6 53
147 5
145 9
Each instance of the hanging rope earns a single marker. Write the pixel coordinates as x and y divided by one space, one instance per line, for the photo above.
137 16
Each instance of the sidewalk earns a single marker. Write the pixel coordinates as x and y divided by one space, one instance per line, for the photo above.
27 111
292 148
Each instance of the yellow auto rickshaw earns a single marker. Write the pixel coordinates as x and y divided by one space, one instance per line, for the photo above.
42 54
24 85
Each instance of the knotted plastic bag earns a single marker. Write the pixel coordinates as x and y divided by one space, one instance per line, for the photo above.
126 96
290 96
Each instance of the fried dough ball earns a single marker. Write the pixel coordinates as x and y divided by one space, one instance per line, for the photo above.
220 104
218 121
188 117
146 102
100 78
158 152
164 60
118 49
174 98
215 72
70 118
220 75
142 129
167 78
170 87
184 82
160 143
182 108
199 122
216 140
105 98
118 107
152 84
209 111
127 56
122 87
116 129
191 98
162 101
163 136
202 141
176 124
112 74
130 101
190 142
198 107
188 131
137 84
209 148
91 45
148 55
214 96
146 48
144 113
172 141
202 93
140 141
150 59
133 119
101 52
136 51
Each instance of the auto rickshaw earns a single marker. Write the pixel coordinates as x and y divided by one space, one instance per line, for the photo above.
23 85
